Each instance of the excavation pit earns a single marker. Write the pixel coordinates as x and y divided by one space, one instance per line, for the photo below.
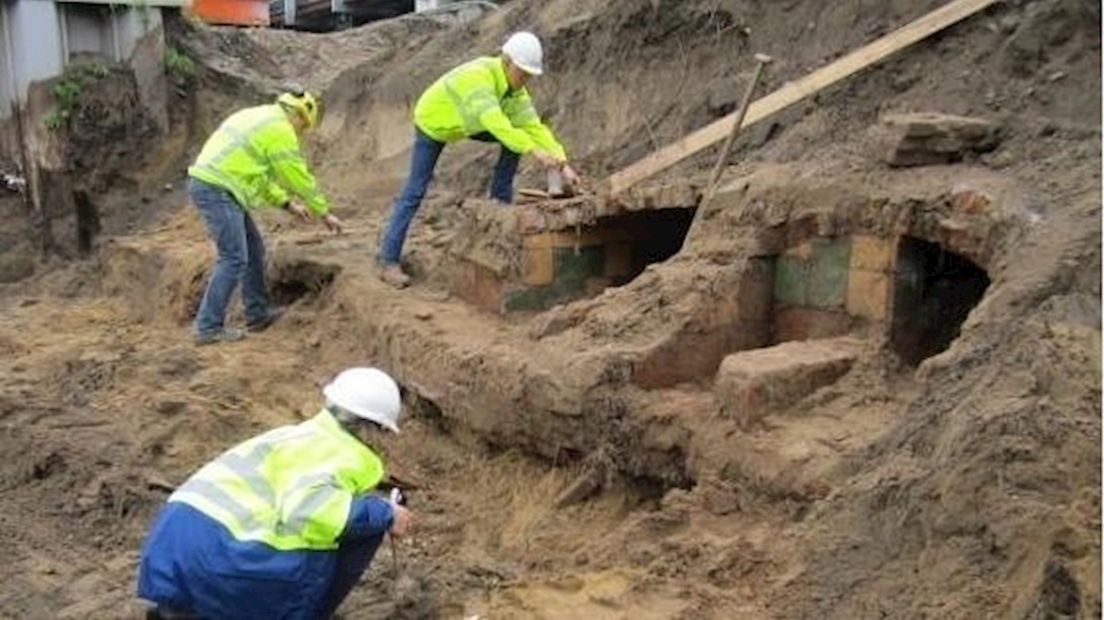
300 280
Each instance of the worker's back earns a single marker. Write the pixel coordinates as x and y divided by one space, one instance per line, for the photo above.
239 154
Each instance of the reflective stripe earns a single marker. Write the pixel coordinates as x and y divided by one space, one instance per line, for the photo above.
471 124
525 115
240 139
285 156
249 471
297 520
211 493
480 101
226 181
289 488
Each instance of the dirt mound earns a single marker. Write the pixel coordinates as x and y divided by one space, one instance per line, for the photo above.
591 461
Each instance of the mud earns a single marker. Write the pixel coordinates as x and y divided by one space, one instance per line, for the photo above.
587 461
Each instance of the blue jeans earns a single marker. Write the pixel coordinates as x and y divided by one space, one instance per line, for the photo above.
240 257
422 162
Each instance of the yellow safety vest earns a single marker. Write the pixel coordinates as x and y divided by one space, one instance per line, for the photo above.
255 156
475 97
290 488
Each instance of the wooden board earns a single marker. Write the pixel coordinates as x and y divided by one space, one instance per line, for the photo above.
792 92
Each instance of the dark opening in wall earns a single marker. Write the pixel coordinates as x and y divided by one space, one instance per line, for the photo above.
653 236
88 222
934 291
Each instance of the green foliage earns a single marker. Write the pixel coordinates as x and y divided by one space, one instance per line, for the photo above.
56 119
178 65
66 93
68 90
97 70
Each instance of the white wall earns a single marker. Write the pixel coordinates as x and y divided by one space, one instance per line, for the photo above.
425 5
7 85
38 38
133 24
36 42
88 28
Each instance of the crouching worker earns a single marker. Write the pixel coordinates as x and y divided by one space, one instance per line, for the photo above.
283 525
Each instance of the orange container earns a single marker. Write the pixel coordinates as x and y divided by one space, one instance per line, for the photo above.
231 12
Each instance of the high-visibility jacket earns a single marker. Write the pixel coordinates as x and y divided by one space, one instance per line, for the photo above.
290 488
255 156
475 97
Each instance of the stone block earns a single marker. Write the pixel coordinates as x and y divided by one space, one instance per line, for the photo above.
868 294
791 281
871 253
827 285
938 125
530 221
933 138
538 240
478 286
693 355
755 298
537 266
969 200
750 384
803 251
798 323
572 271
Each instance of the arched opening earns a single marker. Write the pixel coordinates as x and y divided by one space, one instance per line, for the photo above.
934 291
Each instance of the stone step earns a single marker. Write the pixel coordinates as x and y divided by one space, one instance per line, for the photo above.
752 383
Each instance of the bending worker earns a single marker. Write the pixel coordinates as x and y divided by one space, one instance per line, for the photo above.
252 160
283 525
486 100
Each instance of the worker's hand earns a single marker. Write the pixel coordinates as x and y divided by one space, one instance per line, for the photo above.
546 160
333 223
570 176
400 520
298 211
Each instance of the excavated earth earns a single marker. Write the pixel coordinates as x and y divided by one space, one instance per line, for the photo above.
586 461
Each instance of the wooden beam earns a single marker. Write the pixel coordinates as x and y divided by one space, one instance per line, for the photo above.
792 92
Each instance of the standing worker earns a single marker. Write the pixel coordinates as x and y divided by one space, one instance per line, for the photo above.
283 525
484 99
251 161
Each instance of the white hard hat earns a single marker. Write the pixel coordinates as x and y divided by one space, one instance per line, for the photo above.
524 50
367 393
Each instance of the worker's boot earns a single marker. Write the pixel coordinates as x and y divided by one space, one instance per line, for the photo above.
393 275
226 334
260 325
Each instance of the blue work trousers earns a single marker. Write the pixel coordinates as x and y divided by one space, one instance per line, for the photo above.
422 162
241 256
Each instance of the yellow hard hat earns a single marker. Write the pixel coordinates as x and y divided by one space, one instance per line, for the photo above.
304 103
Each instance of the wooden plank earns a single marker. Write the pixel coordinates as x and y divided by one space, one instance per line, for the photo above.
792 92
